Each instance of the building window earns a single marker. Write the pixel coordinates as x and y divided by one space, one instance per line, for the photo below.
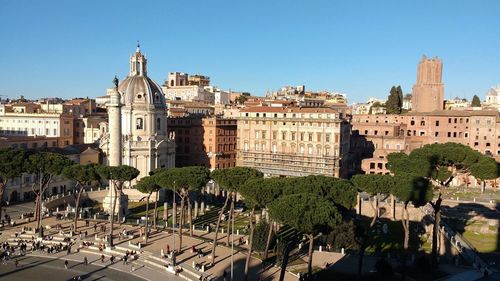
327 137
275 134
302 149
263 134
274 148
422 123
283 135
372 165
437 123
256 146
158 124
139 124
310 137
412 122
257 134
302 136
318 136
293 136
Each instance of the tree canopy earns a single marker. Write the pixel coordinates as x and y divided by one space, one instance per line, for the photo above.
120 173
148 184
442 161
339 191
415 190
12 163
84 174
307 213
394 104
260 192
47 163
232 178
374 184
476 102
189 178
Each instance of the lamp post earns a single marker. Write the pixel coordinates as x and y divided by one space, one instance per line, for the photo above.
232 245
174 216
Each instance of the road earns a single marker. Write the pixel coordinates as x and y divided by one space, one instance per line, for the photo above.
43 269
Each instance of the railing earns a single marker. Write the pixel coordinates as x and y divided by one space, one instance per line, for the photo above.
468 252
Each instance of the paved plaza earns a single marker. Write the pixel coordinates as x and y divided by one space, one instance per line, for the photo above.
150 264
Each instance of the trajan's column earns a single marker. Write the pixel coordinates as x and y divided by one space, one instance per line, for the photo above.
115 148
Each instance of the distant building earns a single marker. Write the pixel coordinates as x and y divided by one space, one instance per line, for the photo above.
457 104
204 141
284 141
179 87
380 135
372 106
428 91
493 98
407 103
28 120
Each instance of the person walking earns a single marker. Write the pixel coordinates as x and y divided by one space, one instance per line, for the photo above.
85 261
112 259
16 263
66 264
102 258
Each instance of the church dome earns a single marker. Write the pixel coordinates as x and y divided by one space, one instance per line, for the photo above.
137 88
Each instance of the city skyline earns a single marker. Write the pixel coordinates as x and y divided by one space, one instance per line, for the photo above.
359 49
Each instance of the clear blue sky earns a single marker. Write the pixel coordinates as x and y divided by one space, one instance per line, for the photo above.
362 48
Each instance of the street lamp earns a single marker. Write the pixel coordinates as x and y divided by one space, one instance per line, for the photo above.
174 216
232 245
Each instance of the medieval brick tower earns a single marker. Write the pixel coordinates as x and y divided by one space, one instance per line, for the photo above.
428 91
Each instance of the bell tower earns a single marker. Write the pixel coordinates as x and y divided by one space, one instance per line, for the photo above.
138 63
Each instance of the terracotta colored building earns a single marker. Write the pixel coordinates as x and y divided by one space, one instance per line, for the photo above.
207 141
428 91
379 135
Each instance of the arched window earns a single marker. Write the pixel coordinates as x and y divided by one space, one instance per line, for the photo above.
139 124
302 149
283 147
274 148
318 150
310 149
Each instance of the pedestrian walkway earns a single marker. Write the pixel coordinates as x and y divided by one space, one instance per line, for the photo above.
150 260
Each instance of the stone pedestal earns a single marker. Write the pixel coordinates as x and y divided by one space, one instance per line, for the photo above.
121 203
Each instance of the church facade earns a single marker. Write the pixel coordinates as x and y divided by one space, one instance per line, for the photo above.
142 123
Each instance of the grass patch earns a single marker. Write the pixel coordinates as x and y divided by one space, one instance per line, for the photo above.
483 242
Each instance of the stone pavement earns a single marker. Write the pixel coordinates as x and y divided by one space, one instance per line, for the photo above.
150 255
